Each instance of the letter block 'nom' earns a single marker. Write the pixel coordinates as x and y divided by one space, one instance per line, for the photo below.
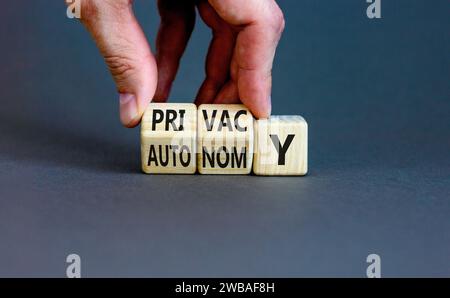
168 138
281 146
225 139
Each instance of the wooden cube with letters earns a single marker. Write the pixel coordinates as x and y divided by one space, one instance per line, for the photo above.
168 138
281 146
225 139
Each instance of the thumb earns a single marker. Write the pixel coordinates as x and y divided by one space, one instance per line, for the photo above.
125 49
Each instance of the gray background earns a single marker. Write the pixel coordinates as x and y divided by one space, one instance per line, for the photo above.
377 98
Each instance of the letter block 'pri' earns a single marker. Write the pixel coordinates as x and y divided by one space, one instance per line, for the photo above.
225 139
281 146
168 138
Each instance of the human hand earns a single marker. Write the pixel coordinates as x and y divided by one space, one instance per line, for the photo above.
238 64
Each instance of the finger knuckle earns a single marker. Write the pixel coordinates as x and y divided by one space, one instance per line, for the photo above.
120 67
278 21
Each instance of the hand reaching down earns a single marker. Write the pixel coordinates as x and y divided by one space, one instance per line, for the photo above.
238 64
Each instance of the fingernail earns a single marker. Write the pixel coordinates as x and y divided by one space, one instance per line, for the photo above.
128 108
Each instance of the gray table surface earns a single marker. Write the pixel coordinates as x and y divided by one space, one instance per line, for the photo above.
376 95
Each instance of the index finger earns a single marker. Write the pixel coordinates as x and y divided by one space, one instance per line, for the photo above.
262 24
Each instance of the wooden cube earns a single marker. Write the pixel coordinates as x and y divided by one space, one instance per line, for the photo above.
225 139
168 138
281 146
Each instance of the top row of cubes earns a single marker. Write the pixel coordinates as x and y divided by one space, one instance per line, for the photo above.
178 138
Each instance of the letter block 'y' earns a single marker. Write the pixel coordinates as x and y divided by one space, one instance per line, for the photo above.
168 138
225 139
281 146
